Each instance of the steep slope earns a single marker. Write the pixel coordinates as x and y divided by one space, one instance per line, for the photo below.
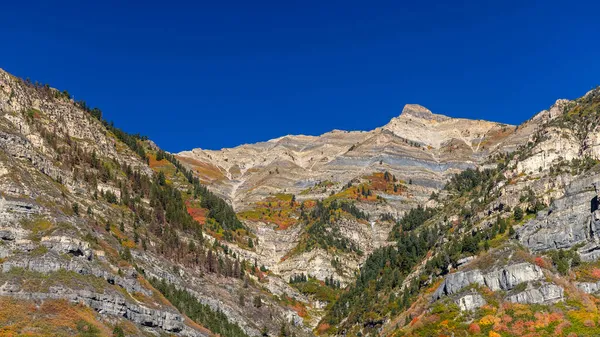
509 251
383 172
96 226
427 226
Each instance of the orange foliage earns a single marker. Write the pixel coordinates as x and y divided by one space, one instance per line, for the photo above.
323 327
474 328
543 319
206 172
500 327
277 211
153 163
377 182
518 328
197 213
540 262
300 309
50 318
596 273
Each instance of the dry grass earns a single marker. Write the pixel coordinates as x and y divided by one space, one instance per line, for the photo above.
49 318
206 172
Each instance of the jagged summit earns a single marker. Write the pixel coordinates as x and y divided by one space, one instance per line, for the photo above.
419 111
416 141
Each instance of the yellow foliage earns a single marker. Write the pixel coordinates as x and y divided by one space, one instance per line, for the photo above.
489 320
582 315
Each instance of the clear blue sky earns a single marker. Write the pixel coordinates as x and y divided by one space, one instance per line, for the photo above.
217 74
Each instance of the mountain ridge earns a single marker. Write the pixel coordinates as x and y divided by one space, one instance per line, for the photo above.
427 226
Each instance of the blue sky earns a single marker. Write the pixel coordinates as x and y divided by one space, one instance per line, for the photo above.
218 74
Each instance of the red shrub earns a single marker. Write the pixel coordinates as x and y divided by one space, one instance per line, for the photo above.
474 328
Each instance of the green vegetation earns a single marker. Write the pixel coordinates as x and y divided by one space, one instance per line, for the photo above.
322 230
215 321
218 208
377 293
411 220
134 142
468 180
563 260
323 291
518 213
373 295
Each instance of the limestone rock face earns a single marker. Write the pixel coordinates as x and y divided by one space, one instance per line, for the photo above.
571 220
111 305
512 275
501 279
453 283
63 244
470 302
544 294
559 145
589 287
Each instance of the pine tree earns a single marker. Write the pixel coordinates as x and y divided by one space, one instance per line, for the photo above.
518 213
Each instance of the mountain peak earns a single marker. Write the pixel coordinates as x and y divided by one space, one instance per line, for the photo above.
419 111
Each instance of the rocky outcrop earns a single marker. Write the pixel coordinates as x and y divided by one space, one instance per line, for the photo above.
571 220
588 287
546 293
559 145
536 291
512 275
470 302
66 245
50 263
502 279
109 304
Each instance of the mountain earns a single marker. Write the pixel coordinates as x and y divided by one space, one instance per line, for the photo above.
96 234
419 149
427 226
417 145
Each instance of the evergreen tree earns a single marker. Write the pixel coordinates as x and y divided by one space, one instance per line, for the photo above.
518 213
